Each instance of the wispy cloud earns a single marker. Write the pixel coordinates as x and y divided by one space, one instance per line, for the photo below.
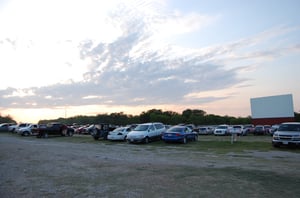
136 68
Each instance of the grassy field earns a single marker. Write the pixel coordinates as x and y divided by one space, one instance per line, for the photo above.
211 143
218 144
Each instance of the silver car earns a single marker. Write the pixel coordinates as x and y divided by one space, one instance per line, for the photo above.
288 133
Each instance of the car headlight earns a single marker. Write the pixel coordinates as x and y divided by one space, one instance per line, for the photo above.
275 136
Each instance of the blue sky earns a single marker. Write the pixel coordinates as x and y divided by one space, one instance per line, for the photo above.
62 58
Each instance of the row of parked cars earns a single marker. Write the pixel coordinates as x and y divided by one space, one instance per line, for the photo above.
146 132
39 130
283 134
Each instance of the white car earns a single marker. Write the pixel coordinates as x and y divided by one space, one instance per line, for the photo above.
146 132
205 130
119 133
222 130
27 130
288 133
238 129
22 125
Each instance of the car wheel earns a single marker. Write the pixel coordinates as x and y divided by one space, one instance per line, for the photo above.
45 135
64 132
146 140
184 140
276 145
70 133
96 138
26 133
196 138
125 138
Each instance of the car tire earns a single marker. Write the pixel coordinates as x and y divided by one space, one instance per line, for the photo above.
70 133
184 140
146 140
196 138
45 135
26 133
276 145
64 132
96 138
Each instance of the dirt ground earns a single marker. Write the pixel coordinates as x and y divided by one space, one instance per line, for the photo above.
32 167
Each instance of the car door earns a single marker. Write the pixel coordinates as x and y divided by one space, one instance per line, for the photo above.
152 131
188 133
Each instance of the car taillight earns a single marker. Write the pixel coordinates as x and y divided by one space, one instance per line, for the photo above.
178 134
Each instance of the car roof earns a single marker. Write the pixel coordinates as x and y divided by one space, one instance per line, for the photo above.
291 123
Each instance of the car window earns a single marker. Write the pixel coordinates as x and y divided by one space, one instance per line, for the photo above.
152 128
142 127
158 126
289 127
175 129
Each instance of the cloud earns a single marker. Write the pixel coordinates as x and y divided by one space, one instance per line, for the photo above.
135 68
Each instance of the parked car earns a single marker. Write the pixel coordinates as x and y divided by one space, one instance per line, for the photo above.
146 132
179 134
248 128
4 127
268 129
222 130
287 134
12 128
274 128
205 131
100 130
259 130
21 125
192 127
119 133
238 129
32 129
54 128
82 130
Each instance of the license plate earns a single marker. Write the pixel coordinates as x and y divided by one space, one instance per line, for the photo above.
285 142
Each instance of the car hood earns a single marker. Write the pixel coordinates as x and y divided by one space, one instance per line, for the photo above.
289 133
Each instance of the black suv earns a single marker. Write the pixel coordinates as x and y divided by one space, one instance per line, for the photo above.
100 130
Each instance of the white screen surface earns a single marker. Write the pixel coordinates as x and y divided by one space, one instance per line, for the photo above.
272 106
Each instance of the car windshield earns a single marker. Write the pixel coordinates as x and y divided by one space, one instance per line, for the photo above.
237 127
289 127
118 129
222 127
142 127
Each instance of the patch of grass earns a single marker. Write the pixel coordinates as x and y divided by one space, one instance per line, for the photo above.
210 143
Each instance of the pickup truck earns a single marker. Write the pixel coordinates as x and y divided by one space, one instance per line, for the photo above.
288 134
54 129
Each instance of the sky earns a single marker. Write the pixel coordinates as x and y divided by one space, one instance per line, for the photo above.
62 58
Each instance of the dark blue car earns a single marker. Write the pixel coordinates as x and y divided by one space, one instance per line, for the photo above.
179 134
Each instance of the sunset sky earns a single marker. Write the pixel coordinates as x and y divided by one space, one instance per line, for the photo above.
61 58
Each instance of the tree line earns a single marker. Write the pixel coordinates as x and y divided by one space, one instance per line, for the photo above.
188 116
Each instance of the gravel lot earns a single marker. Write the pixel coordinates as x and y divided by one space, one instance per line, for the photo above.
32 167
